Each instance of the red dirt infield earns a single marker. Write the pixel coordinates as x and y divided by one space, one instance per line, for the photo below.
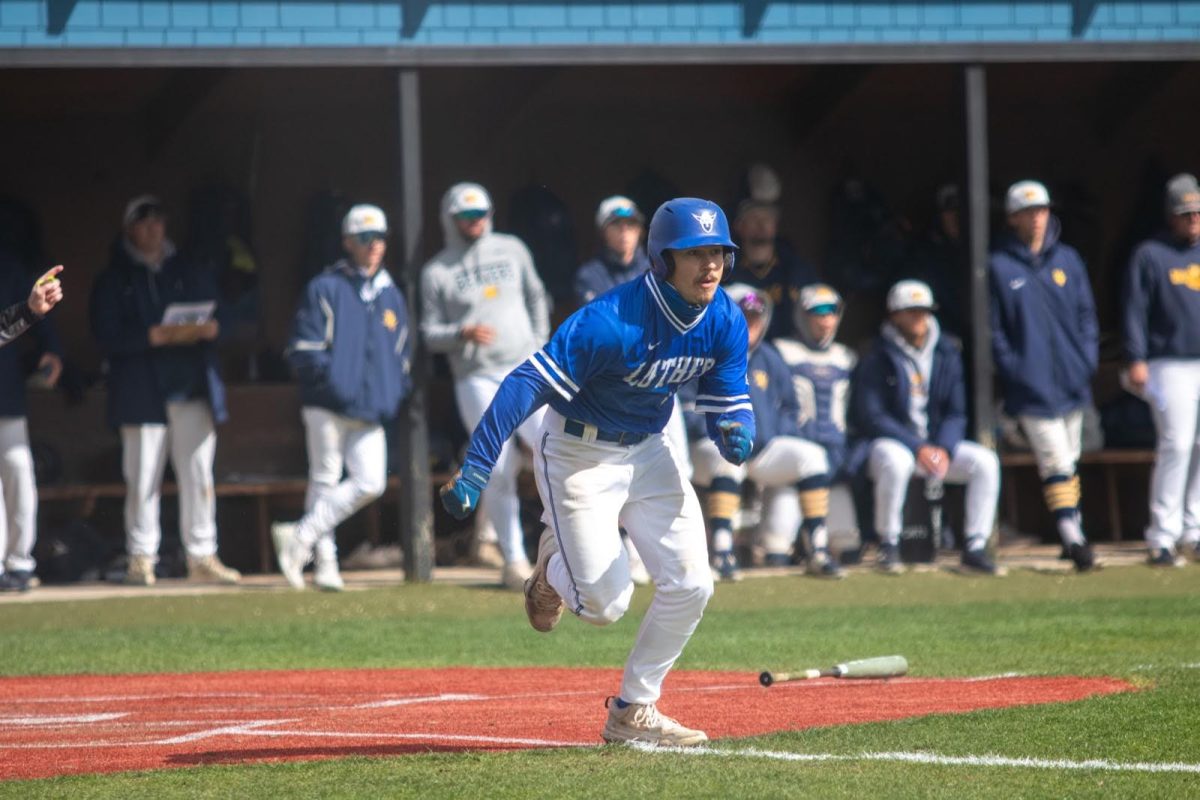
92 724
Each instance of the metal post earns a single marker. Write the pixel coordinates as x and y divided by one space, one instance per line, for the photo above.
977 228
416 498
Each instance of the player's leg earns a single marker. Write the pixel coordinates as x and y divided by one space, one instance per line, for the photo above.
722 482
979 468
667 524
325 442
20 503
583 487
1056 443
792 461
1174 408
500 500
193 446
890 466
781 519
364 451
143 460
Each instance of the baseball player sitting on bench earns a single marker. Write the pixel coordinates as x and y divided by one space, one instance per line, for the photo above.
609 375
909 400
820 370
781 457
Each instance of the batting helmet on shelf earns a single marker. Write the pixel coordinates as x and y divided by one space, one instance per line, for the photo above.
687 222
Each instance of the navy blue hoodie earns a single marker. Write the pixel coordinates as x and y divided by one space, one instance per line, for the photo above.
1045 338
1162 300
598 275
350 344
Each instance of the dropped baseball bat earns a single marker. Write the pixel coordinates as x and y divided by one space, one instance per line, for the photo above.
881 667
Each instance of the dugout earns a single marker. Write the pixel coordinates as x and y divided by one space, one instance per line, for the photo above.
293 139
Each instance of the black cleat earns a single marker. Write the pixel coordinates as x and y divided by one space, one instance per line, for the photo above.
1081 554
977 561
1163 557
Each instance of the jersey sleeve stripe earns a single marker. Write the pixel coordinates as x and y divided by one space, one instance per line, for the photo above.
541 354
550 380
305 346
723 409
716 398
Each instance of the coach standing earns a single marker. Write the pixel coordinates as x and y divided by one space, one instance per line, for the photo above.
1162 344
164 393
483 305
1045 342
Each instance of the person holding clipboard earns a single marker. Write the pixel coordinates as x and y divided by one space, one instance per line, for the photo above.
152 316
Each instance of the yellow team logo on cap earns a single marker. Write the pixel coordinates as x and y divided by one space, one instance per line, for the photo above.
760 378
1188 276
491 291
1059 276
390 321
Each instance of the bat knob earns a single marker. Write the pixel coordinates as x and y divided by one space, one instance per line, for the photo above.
766 679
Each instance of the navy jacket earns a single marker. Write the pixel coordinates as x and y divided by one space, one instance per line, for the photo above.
350 344
127 299
15 285
1162 300
598 275
882 393
770 386
1045 338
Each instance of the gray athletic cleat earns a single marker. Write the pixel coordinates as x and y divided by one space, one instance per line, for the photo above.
822 565
291 562
889 560
140 571
645 724
543 606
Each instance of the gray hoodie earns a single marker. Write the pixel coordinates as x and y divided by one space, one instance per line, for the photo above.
492 282
920 371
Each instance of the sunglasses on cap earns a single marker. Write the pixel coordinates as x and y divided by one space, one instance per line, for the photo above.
471 214
822 310
369 237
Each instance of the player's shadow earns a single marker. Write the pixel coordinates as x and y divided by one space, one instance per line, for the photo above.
247 755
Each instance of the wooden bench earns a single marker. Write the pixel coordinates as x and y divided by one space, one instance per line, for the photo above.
1109 461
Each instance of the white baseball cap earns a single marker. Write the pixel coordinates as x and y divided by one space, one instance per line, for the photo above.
910 294
820 296
617 207
1025 194
364 219
141 207
466 197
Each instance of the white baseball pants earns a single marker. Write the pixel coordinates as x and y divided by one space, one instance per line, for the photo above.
891 465
191 441
18 518
500 501
588 490
1174 393
785 460
1056 442
336 444
781 516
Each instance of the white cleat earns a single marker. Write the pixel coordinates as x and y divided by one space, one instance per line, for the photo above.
327 578
291 562
643 723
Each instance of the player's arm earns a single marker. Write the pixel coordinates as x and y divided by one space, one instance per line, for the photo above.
1089 325
308 351
725 397
441 334
580 347
1135 318
954 417
1002 350
14 321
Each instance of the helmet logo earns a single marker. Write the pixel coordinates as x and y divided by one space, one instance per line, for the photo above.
707 219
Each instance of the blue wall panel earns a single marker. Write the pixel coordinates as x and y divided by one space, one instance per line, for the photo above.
285 23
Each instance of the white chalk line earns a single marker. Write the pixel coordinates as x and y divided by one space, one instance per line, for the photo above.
59 720
932 759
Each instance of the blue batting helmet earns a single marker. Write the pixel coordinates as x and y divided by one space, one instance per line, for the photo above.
687 222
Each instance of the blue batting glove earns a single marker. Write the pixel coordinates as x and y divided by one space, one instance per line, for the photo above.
461 495
736 444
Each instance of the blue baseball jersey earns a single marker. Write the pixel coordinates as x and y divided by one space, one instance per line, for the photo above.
617 363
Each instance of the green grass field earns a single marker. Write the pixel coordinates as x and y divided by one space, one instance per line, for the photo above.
1129 622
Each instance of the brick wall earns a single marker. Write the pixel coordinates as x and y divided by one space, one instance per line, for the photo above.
284 23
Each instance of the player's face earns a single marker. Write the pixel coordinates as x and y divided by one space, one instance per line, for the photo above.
366 249
1030 224
913 324
147 235
822 326
758 225
622 236
698 272
1186 226
471 226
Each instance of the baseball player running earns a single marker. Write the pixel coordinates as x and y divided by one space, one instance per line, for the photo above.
609 375
781 458
1162 344
350 350
1045 342
484 306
